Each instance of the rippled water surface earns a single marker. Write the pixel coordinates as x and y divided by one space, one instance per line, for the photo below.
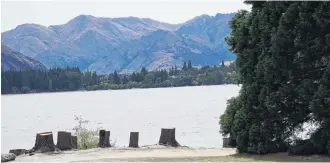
193 111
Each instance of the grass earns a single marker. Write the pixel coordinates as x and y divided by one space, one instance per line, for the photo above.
278 157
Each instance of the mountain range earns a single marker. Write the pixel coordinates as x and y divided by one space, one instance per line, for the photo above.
12 60
123 44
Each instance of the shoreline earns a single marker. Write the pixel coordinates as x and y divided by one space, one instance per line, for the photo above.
157 153
137 88
144 153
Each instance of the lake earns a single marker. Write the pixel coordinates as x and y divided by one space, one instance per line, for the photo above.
193 111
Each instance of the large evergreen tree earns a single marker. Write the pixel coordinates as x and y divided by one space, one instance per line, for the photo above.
282 52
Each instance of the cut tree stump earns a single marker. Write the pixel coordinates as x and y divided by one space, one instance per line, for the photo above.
44 142
225 143
167 137
134 140
74 141
104 139
64 141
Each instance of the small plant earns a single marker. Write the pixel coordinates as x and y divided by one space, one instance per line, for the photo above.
86 138
113 143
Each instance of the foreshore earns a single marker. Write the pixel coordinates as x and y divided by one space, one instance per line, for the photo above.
156 153
153 153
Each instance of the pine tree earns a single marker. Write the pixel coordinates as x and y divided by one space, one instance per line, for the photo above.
189 64
116 78
144 71
125 80
184 66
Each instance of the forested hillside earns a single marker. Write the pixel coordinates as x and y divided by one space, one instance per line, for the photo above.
283 56
71 79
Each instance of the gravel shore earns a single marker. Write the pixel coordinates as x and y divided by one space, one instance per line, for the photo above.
144 154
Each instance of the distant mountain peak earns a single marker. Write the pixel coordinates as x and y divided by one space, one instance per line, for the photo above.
83 18
124 44
30 26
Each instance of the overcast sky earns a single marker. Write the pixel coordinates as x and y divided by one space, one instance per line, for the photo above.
55 12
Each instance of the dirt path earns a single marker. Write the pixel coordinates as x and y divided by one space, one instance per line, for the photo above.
126 154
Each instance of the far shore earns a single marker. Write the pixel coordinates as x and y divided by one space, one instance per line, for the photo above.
68 91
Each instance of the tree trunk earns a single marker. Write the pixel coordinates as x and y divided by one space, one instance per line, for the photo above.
226 143
167 137
104 139
163 135
74 141
44 142
64 141
134 140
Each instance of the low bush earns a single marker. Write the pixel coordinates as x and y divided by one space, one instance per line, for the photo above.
86 138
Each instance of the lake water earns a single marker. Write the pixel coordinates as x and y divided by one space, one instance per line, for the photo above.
193 111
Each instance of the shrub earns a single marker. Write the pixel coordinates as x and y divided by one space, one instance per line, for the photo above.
86 138
301 147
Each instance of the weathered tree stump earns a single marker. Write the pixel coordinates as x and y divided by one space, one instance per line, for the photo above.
74 141
167 137
44 142
18 152
134 140
104 139
64 141
225 142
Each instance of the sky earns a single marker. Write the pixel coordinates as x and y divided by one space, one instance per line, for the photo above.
56 12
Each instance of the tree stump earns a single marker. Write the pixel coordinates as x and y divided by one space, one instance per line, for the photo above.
44 142
104 139
74 141
134 140
225 142
64 141
17 152
167 137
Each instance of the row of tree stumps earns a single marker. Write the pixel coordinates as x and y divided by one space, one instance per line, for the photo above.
45 143
167 138
65 141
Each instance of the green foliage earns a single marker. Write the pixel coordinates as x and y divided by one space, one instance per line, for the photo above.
86 138
282 68
184 66
189 64
116 78
71 79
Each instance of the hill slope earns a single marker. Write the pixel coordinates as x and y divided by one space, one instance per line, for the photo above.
12 60
124 44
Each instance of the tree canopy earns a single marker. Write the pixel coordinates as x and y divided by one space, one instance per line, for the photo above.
283 51
71 79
